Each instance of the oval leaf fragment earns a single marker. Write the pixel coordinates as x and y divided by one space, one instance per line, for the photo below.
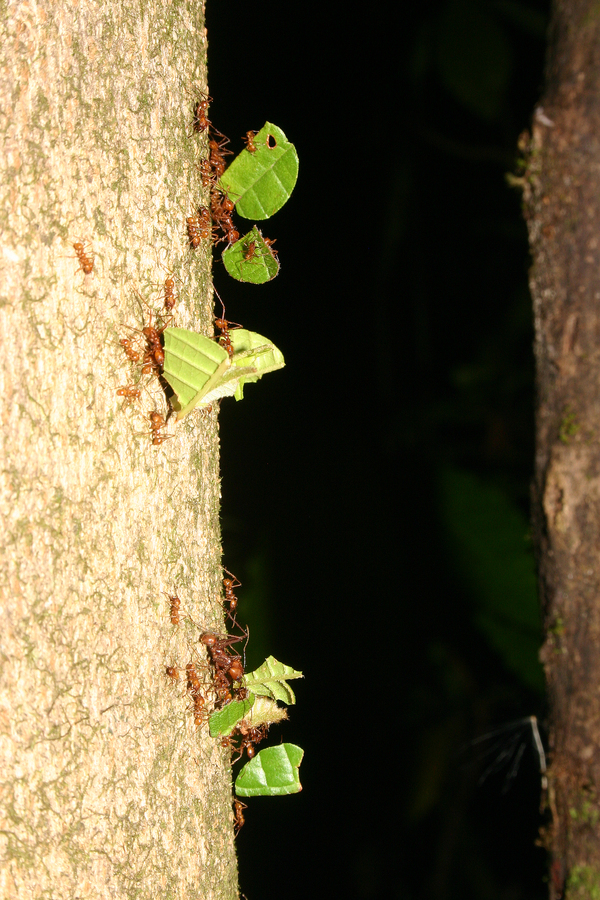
260 183
270 680
223 721
272 773
251 259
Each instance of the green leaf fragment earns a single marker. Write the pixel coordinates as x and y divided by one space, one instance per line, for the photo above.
270 680
272 773
223 721
201 371
254 350
264 712
262 264
260 183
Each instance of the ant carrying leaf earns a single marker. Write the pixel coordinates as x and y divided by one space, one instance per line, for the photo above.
261 181
201 371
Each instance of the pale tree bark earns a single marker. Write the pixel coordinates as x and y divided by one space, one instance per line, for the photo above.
107 789
562 202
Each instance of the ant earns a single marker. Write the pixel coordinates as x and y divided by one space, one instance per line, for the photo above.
130 392
172 672
174 601
238 806
194 686
157 423
86 262
223 326
228 668
201 122
249 139
217 156
249 251
250 737
199 227
229 584
127 345
154 356
170 299
207 175
200 711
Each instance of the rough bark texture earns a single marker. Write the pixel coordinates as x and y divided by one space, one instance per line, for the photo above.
562 202
106 787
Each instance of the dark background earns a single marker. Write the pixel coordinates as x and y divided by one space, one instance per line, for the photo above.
375 491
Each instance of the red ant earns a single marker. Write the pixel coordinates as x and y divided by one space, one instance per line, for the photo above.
157 423
217 157
201 122
170 299
249 251
229 584
174 601
223 326
131 354
130 392
250 737
199 227
228 668
206 173
200 711
238 806
194 686
172 672
154 356
249 139
86 262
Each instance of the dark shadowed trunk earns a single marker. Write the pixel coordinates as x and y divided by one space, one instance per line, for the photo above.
562 203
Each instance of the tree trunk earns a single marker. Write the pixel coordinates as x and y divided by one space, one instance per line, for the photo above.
562 204
107 787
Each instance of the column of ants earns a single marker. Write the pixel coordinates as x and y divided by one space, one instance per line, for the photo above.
224 670
225 666
213 224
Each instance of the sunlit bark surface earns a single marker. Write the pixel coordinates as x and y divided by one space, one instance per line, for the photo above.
106 787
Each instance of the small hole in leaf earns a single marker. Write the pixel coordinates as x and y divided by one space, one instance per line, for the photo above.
271 142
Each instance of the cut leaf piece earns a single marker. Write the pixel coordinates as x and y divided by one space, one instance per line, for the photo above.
255 351
260 183
201 371
264 712
251 259
270 680
223 721
272 773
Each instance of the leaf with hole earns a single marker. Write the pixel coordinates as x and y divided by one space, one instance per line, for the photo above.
272 773
260 183
223 721
270 680
201 371
251 259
